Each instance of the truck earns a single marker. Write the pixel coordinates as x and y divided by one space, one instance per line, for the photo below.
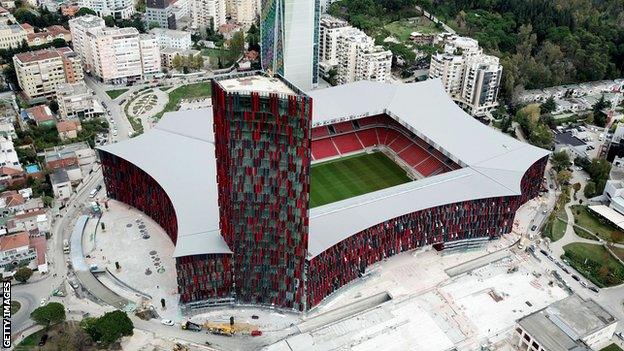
66 246
188 325
220 329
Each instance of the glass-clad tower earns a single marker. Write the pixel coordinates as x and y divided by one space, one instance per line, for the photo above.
289 40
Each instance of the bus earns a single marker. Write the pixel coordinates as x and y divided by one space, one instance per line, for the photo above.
65 246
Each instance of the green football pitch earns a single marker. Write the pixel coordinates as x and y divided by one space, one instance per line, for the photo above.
351 176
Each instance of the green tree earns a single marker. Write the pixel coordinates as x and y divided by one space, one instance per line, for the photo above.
590 190
236 46
549 105
253 36
198 62
560 160
108 328
177 62
576 187
49 314
563 177
54 106
109 21
23 274
85 11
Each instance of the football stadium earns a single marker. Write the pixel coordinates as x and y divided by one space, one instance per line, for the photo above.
278 197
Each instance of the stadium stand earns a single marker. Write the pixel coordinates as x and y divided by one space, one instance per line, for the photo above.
349 137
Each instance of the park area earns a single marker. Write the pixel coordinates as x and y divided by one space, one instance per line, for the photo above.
595 263
557 222
115 93
585 218
402 29
351 176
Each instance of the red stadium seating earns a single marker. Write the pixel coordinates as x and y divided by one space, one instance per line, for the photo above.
347 143
323 148
319 132
376 131
368 137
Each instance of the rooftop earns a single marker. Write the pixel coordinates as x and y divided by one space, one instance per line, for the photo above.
258 83
561 326
567 138
40 113
493 163
170 33
13 241
44 54
59 176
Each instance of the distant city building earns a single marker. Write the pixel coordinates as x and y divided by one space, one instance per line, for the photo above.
207 13
571 324
159 13
47 35
471 77
168 54
11 35
39 72
119 9
243 11
176 39
289 36
115 55
77 101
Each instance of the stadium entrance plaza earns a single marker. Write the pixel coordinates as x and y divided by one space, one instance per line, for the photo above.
427 306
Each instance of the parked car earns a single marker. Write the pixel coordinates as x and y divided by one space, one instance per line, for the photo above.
583 284
533 227
168 322
43 340
544 252
575 277
594 289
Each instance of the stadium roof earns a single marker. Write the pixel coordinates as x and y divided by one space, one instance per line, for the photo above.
179 154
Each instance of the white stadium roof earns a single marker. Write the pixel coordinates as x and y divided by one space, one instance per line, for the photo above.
179 154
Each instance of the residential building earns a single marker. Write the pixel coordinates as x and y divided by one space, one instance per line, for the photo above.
15 251
242 11
69 9
39 72
78 28
11 35
289 35
229 29
41 115
79 154
61 185
11 177
68 129
35 222
77 101
360 59
8 155
206 13
119 9
568 324
175 39
469 76
48 35
159 13
5 16
330 30
115 55
168 54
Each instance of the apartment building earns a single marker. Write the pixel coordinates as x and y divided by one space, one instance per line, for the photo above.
360 59
469 76
330 30
8 155
39 72
78 28
77 101
115 55
48 35
119 9
175 39
205 13
11 35
159 13
243 11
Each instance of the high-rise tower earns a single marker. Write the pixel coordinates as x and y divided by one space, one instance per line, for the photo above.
262 145
289 35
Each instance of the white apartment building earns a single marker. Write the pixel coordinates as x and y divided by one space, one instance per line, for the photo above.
119 9
39 72
77 101
150 54
360 59
469 76
78 28
8 155
11 35
243 11
207 12
116 55
176 39
330 30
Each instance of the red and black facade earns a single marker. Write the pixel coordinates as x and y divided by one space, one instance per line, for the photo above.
262 147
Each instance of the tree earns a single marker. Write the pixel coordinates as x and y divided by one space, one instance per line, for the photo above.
85 11
198 62
253 37
590 190
23 274
563 177
109 21
617 236
236 46
576 187
560 160
49 314
549 105
177 62
108 328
